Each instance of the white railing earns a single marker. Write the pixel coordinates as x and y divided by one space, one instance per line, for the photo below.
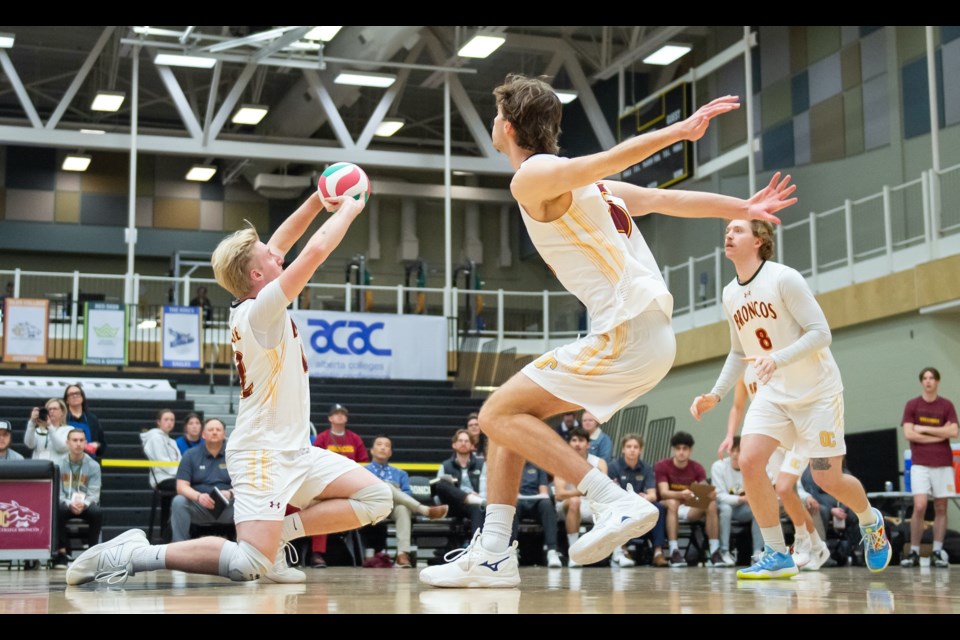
895 229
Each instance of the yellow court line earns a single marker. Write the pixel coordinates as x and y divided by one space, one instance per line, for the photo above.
133 464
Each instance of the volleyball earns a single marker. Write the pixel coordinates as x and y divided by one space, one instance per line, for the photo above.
344 179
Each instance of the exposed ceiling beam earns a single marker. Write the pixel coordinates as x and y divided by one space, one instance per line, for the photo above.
589 101
330 107
305 154
179 100
645 47
230 101
18 88
79 78
389 97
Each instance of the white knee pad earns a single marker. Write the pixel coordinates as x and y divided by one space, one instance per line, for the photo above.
372 504
242 562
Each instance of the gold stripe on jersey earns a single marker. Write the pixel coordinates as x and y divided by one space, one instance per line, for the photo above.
276 357
589 251
619 343
597 235
587 353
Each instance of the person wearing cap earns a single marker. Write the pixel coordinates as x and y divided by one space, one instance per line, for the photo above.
6 435
337 439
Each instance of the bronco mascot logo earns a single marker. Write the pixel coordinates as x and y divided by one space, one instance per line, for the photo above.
13 514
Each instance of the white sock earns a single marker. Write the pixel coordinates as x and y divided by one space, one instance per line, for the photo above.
937 546
572 537
914 549
773 538
150 558
292 528
815 538
868 518
673 546
714 545
800 535
598 487
473 498
497 527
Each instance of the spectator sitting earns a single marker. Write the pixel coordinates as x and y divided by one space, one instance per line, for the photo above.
80 482
732 503
201 300
47 432
570 503
630 470
567 422
534 503
340 440
462 481
191 433
6 435
403 503
674 477
80 417
201 470
600 443
477 438
159 447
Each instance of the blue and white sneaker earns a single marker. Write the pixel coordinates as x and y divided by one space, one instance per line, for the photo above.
475 567
615 524
876 547
772 565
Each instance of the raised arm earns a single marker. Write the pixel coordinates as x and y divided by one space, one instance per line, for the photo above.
702 204
320 245
291 229
540 182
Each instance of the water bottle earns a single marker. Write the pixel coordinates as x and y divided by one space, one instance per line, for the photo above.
888 486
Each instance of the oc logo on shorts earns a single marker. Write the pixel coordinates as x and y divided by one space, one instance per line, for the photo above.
345 337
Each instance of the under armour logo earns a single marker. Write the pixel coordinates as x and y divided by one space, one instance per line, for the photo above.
746 294
495 566
274 505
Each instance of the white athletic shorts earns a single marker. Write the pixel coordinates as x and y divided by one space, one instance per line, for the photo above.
812 430
586 513
934 481
783 461
266 480
603 372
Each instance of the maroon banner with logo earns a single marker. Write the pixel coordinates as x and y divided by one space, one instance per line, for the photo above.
26 515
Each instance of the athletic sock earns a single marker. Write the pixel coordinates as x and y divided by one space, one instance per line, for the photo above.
497 527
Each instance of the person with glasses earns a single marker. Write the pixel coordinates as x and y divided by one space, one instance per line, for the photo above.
78 415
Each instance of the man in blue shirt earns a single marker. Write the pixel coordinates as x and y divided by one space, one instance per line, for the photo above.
404 504
203 470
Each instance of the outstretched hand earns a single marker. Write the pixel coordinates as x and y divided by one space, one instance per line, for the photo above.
772 198
696 125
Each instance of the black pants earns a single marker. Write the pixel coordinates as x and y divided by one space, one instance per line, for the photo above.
454 496
542 510
91 515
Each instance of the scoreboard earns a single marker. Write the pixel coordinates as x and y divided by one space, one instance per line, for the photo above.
667 166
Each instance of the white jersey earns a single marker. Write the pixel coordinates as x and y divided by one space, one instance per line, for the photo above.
775 314
597 253
274 389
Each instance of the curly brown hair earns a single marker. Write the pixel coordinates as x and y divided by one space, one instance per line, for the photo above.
763 230
534 110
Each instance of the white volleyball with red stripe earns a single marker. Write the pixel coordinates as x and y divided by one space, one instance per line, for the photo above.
344 179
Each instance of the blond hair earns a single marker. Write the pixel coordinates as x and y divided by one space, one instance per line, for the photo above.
231 260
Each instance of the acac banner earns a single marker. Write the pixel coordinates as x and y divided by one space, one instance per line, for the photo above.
373 345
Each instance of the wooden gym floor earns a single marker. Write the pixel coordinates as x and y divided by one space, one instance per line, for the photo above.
643 590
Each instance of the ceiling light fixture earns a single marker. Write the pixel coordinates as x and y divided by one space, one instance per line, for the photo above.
107 101
667 54
93 131
6 40
481 46
250 114
76 162
388 127
365 79
177 60
201 173
322 33
566 96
